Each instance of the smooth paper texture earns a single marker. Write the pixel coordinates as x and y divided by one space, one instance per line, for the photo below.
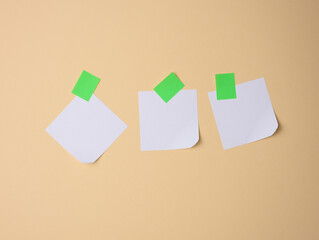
172 125
225 86
246 119
169 87
86 85
86 129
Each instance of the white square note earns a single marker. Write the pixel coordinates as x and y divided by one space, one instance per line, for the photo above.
248 118
86 129
172 125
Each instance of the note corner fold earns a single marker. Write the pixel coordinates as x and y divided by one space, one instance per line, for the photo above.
274 129
194 141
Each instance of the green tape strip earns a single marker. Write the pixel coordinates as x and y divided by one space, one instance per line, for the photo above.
86 85
225 86
169 87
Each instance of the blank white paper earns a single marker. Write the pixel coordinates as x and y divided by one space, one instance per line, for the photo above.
248 118
86 129
172 125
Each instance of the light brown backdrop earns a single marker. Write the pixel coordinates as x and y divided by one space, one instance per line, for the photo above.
263 190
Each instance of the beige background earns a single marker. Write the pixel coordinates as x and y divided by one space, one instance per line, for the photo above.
263 190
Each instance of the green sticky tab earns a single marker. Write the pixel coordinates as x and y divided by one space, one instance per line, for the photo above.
86 85
169 87
225 86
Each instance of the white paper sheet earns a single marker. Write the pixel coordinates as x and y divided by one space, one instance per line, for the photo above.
248 118
172 125
86 129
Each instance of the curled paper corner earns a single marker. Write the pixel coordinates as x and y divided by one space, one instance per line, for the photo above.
168 126
272 131
84 160
194 142
88 161
270 134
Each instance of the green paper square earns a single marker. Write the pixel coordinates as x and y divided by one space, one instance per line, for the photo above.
86 85
225 86
169 87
